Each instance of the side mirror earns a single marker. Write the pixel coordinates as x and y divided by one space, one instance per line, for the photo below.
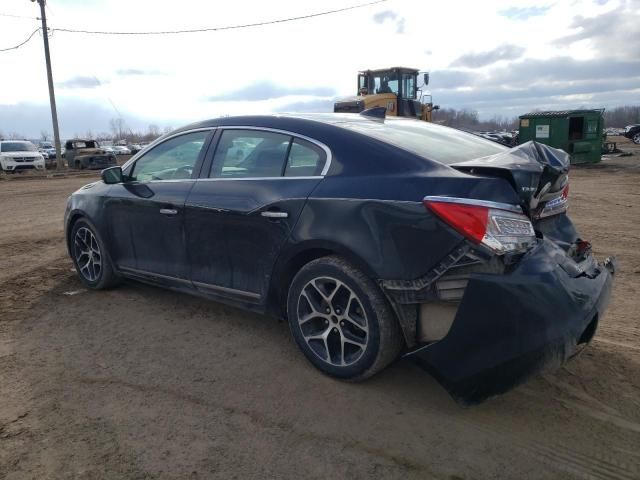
112 175
425 79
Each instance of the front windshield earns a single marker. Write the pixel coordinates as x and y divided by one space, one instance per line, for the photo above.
435 142
385 83
17 147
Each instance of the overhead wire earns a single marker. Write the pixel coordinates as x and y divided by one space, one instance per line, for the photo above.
10 15
22 43
228 27
195 30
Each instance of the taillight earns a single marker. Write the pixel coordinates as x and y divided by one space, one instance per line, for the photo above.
557 205
502 228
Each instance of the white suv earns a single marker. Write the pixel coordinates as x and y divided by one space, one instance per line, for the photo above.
16 155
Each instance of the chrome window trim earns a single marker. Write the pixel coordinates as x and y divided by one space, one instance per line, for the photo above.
160 140
472 201
218 179
169 180
327 150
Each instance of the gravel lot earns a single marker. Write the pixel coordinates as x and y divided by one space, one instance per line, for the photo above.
140 382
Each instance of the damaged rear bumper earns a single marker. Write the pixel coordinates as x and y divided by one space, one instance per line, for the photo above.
511 325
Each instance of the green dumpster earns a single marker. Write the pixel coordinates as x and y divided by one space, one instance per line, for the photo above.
577 132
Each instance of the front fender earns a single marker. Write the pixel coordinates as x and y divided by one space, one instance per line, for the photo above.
86 202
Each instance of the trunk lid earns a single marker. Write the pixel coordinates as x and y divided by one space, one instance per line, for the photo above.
538 173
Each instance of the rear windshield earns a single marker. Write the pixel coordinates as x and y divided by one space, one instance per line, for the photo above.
435 142
17 147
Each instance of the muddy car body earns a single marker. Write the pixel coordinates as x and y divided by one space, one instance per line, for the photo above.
389 236
87 154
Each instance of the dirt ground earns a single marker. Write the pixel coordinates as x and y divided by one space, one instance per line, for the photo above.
139 382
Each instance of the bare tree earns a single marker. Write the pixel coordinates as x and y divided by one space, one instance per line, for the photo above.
468 120
45 136
153 130
622 116
117 127
15 136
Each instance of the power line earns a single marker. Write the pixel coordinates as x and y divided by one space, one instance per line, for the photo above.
18 16
21 44
229 27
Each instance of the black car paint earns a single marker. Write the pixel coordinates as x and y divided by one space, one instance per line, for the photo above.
632 131
509 326
367 208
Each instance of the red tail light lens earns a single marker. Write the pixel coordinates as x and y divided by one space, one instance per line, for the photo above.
468 220
500 227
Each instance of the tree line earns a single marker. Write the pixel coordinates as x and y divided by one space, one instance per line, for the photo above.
467 119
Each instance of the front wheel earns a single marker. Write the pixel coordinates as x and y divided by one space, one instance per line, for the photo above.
341 321
636 138
90 257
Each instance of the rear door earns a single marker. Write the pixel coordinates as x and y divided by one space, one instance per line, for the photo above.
241 214
146 213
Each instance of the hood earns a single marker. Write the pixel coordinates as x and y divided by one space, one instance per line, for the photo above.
21 154
536 171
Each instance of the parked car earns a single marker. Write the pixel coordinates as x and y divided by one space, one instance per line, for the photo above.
83 154
47 149
121 150
108 149
502 138
632 132
134 148
19 155
373 238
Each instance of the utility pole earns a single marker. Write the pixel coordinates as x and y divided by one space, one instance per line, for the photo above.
52 95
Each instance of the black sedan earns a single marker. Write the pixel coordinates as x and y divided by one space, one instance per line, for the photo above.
374 238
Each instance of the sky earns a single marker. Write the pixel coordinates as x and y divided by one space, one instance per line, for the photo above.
498 57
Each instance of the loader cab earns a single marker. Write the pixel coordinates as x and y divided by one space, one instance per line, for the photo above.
396 89
398 81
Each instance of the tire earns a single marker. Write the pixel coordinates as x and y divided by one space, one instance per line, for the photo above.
90 257
636 138
356 334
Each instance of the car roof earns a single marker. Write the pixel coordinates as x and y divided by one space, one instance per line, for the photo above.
265 120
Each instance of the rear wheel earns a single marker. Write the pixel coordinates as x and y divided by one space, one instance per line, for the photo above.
90 257
341 321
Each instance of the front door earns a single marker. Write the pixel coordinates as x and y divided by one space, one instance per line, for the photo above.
239 217
146 212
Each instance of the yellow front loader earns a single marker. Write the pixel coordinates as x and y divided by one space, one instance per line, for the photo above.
395 89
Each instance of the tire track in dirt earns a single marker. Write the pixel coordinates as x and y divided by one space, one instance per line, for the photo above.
559 457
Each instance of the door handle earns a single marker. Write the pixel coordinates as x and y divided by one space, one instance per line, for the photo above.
168 211
272 214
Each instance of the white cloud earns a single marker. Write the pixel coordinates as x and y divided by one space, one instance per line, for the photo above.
167 79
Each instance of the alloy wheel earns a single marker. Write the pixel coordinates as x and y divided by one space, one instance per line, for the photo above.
333 321
636 138
87 254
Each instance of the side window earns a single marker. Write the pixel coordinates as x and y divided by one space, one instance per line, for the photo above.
305 159
250 153
408 86
173 159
